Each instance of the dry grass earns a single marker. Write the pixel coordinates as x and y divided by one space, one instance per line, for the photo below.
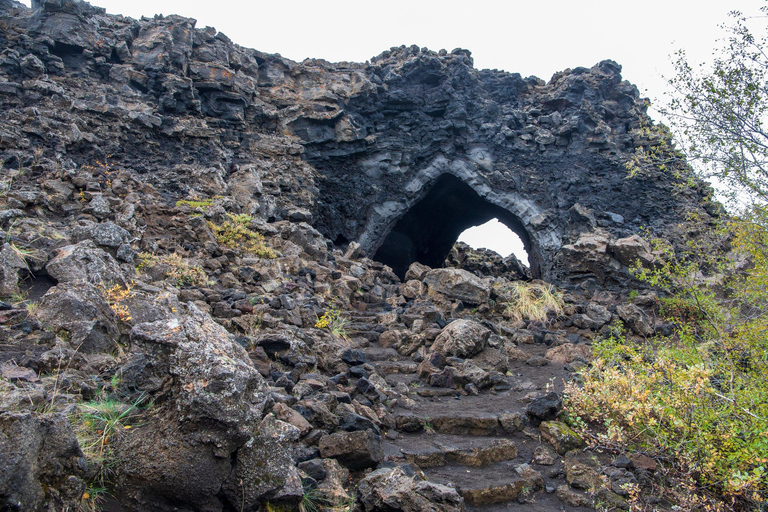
532 301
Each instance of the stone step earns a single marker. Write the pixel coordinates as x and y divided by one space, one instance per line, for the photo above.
377 353
482 415
496 483
404 367
369 336
364 326
406 377
431 450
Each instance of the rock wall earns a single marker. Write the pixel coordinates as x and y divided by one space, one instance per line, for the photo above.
399 154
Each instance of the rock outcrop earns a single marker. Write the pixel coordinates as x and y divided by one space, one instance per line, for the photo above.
221 282
399 154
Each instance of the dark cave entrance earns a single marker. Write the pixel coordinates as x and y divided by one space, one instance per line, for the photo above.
429 229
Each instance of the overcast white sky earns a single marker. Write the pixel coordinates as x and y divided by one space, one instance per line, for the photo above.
531 38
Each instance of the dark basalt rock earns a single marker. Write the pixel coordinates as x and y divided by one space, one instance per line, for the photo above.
400 154
126 144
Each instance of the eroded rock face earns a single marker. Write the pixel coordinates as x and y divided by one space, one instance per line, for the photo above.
215 404
399 155
40 461
394 490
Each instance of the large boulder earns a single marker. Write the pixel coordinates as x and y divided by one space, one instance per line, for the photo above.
458 284
588 255
392 489
355 450
634 317
211 409
462 338
41 463
84 262
107 234
11 263
78 312
633 250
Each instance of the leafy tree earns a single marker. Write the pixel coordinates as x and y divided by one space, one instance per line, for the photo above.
721 113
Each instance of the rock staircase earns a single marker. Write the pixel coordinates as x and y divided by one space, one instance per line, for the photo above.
484 444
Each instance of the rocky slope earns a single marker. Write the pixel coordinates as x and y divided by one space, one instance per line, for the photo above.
186 224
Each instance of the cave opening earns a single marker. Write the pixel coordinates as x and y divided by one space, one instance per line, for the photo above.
428 230
497 237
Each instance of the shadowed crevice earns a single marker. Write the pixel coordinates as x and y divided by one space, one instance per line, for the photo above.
430 227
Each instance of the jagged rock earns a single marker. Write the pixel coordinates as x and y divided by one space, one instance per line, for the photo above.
568 352
392 489
544 455
594 317
80 314
635 319
513 422
288 415
106 234
355 450
41 462
11 263
416 271
486 263
462 338
458 284
533 479
216 402
545 407
632 250
573 498
334 485
560 436
264 470
582 470
84 262
622 481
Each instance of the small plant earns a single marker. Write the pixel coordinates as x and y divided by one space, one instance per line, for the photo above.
92 499
531 301
115 295
429 427
313 500
179 269
195 203
334 322
97 423
237 234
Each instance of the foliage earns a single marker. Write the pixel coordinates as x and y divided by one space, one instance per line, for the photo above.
654 151
721 113
115 295
333 320
98 424
530 301
236 233
176 268
195 203
700 396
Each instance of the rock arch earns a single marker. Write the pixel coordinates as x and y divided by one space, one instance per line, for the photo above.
430 226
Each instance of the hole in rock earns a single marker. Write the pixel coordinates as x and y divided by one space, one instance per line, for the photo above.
497 237
428 230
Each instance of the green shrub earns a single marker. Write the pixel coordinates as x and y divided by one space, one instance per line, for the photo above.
700 396
195 203
236 233
175 267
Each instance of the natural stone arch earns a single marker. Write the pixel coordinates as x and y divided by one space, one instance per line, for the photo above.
427 230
